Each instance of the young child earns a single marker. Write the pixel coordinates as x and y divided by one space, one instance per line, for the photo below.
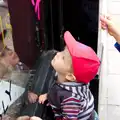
70 97
107 23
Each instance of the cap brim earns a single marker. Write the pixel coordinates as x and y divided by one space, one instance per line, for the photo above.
78 49
70 41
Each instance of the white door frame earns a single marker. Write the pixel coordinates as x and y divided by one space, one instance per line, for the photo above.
102 53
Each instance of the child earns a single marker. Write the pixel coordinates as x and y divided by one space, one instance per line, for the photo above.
70 97
113 29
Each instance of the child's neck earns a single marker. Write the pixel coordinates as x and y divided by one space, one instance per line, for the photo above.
61 78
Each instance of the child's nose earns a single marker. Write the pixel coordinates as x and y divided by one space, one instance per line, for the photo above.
58 54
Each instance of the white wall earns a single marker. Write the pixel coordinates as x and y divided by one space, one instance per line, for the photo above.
109 97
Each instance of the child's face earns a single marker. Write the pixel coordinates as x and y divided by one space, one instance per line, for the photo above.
62 62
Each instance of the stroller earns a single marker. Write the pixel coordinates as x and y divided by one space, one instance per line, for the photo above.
42 80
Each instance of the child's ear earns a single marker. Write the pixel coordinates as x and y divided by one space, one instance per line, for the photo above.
70 77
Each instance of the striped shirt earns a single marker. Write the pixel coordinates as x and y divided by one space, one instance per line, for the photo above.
71 101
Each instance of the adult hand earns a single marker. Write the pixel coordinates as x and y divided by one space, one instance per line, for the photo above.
107 23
